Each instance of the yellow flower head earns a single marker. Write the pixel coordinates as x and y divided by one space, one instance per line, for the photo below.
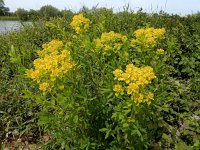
118 89
44 86
136 80
80 24
110 42
150 95
54 62
132 88
139 98
147 37
50 48
125 77
117 73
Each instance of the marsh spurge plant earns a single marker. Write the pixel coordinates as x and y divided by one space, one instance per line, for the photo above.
73 107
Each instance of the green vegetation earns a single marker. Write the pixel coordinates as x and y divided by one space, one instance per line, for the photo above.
102 80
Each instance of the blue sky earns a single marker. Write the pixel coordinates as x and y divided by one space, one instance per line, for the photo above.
181 7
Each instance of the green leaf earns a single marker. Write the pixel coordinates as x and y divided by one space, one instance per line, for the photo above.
103 130
182 146
125 125
107 134
75 119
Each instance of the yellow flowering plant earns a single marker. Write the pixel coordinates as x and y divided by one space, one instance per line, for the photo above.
98 105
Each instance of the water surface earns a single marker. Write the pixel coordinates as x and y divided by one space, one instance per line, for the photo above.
8 26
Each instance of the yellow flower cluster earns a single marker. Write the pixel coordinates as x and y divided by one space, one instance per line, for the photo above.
136 79
110 42
53 63
80 24
147 37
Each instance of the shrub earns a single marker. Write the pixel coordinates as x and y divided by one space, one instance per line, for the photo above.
82 107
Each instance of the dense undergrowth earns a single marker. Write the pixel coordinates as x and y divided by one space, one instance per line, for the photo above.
103 80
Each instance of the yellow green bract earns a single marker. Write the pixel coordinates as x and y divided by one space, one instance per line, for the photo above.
53 63
160 51
134 81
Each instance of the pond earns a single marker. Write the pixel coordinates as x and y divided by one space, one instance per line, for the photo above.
7 26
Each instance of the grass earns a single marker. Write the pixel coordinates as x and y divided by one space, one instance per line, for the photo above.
9 18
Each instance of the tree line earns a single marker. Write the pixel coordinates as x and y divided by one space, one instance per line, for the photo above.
45 12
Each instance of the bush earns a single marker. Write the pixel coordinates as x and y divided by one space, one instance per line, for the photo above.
91 101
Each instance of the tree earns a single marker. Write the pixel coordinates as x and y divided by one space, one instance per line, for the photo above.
1 3
3 10
33 14
22 14
68 14
48 11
